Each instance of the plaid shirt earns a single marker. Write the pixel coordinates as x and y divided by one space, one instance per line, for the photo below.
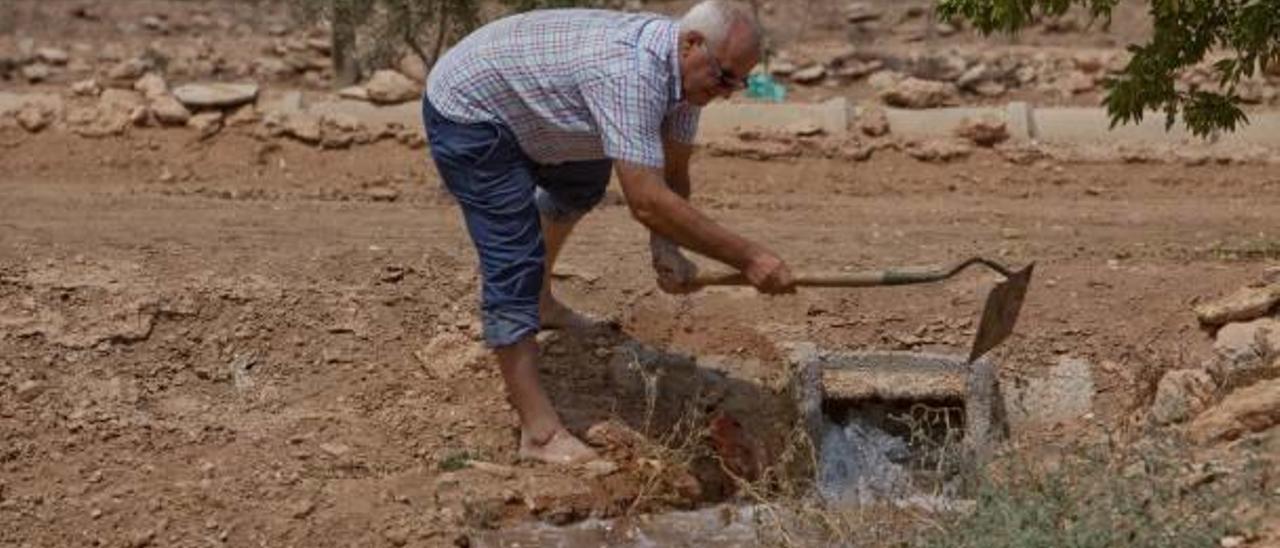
571 85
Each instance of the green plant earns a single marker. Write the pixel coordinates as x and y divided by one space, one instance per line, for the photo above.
1152 495
1185 32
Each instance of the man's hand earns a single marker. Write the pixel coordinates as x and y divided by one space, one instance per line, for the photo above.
675 271
769 274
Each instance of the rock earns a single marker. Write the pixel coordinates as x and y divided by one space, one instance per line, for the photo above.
358 93
810 75
29 389
169 111
1076 82
35 73
740 452
873 122
854 69
207 123
1088 61
383 194
449 353
155 24
390 87
303 127
302 508
242 116
917 93
151 85
805 129
34 118
412 67
1246 304
937 150
986 130
782 69
52 56
216 95
272 67
885 80
861 12
1250 409
334 449
128 71
1065 394
973 76
1244 349
990 89
942 68
599 468
86 88
1181 395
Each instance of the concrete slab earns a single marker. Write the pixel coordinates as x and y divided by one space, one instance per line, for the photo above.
725 120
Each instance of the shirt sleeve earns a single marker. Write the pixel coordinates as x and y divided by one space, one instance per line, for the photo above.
628 110
682 123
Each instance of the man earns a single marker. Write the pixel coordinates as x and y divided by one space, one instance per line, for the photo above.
527 116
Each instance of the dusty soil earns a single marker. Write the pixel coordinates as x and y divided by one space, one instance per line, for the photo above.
234 355
236 341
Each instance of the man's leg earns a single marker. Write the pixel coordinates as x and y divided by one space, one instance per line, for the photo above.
484 169
566 193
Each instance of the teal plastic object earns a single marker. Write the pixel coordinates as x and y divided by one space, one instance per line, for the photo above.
762 86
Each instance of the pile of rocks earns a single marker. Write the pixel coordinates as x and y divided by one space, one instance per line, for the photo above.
1238 390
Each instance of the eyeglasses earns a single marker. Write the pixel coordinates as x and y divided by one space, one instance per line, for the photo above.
724 79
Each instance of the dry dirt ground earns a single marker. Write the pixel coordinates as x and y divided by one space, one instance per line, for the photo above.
236 342
249 355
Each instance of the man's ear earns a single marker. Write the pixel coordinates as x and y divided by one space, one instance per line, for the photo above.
692 39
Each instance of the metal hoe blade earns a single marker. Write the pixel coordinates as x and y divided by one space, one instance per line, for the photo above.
1001 312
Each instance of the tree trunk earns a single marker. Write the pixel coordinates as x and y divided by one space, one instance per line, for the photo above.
346 65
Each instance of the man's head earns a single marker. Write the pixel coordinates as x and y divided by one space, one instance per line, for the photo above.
719 45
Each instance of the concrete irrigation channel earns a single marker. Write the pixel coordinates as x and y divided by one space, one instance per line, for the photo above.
888 427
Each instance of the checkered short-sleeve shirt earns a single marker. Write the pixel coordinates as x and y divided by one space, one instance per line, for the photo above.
571 85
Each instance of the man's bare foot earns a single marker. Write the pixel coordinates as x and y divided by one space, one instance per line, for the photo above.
555 315
561 448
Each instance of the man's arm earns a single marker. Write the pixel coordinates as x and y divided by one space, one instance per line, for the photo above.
664 211
677 156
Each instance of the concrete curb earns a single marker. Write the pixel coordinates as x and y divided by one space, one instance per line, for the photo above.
1050 125
1055 125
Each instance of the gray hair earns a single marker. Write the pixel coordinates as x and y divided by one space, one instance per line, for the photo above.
713 19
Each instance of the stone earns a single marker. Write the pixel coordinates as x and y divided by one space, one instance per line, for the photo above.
151 85
599 468
449 353
782 69
303 127
942 68
52 56
873 122
29 389
986 130
155 24
990 88
861 12
358 93
34 118
937 150
391 87
169 111
242 116
207 123
129 70
884 80
810 75
216 95
1243 305
86 88
1066 393
1181 395
1251 409
852 70
1076 82
1242 350
272 67
412 67
35 73
973 76
917 93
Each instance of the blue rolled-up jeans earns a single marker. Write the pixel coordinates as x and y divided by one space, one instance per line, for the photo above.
501 192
